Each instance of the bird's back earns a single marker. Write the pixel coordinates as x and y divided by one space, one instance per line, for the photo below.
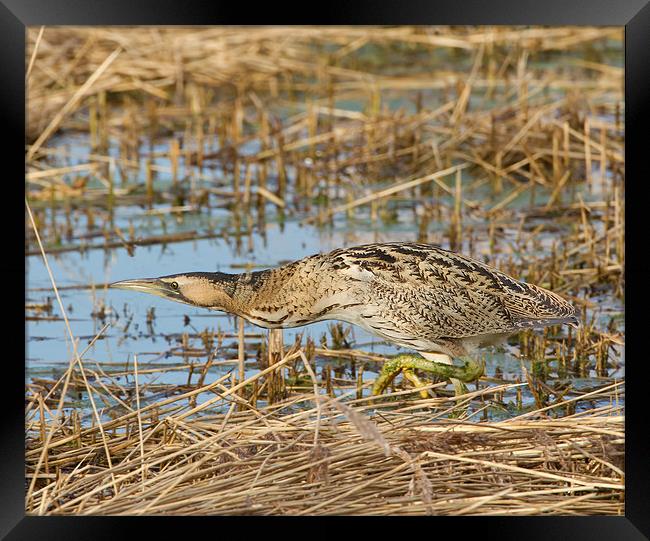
428 291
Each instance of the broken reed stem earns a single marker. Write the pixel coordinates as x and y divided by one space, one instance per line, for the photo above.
137 402
241 356
275 381
317 403
241 349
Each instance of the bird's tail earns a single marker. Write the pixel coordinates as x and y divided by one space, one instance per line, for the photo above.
539 307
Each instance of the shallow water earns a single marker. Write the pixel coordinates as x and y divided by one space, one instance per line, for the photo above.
152 328
157 341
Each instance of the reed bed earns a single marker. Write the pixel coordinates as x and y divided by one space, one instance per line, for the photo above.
311 454
504 143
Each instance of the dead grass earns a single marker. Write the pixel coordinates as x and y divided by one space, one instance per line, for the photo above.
404 459
255 120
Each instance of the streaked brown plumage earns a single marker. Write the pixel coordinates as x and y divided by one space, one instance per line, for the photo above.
415 295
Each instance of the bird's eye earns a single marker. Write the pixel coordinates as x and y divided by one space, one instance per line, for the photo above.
174 285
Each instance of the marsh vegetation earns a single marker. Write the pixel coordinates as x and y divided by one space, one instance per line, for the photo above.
153 151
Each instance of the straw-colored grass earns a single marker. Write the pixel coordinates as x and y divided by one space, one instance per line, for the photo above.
164 61
255 120
316 455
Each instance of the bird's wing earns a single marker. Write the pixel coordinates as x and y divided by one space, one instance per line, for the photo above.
468 296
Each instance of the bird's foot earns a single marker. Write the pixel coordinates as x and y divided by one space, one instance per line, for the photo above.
407 363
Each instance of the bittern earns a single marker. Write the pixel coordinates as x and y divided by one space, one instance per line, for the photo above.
442 304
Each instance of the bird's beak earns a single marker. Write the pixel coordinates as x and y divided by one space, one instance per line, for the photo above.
153 286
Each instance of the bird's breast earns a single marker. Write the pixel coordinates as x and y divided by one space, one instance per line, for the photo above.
268 318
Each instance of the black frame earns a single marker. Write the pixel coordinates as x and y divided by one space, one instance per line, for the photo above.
633 14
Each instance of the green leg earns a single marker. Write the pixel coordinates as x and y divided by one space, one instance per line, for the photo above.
416 381
407 362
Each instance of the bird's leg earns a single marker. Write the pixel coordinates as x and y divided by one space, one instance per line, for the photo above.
407 362
459 387
416 381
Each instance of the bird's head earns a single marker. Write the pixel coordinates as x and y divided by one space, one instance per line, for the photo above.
213 290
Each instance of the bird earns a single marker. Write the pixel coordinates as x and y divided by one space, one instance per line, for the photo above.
442 304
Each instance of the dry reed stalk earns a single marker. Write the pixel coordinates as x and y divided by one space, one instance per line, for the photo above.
453 464
312 161
335 459
34 53
241 349
71 104
137 398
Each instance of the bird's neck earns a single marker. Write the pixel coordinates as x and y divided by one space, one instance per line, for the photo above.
261 292
245 290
